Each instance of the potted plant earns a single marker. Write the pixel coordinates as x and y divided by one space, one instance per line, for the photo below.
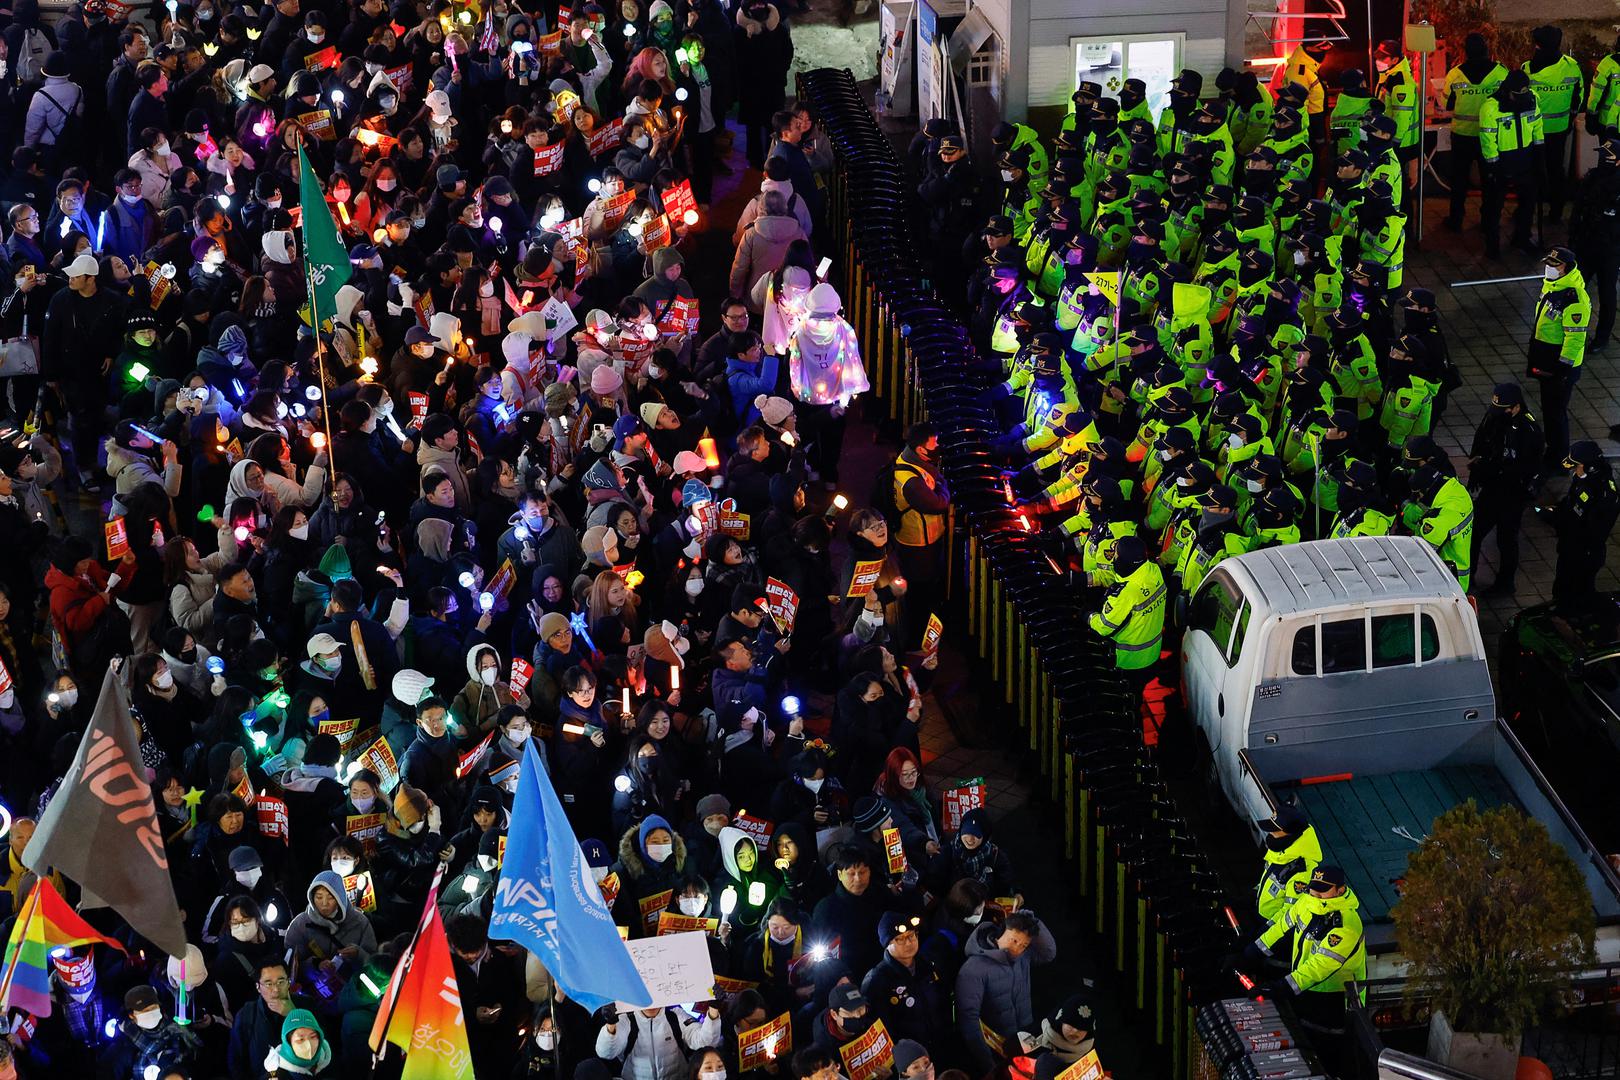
1492 918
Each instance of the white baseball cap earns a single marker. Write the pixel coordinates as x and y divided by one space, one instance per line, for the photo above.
84 266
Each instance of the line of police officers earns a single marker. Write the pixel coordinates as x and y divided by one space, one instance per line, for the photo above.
1202 356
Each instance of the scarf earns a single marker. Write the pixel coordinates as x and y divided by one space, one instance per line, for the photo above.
769 957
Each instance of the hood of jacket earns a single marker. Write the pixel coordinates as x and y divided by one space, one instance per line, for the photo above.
778 230
334 884
120 458
634 859
472 659
729 838
983 943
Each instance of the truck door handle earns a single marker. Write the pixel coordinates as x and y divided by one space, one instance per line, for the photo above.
1220 704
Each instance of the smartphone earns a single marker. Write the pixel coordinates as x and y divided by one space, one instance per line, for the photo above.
822 268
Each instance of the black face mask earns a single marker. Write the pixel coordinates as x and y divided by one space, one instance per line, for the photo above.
188 656
1419 321
1128 101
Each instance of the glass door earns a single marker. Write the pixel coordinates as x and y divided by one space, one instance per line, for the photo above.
1153 58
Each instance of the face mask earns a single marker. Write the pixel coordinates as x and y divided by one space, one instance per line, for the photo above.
692 906
487 289
272 204
1255 486
299 532
130 199
973 919
517 737
342 867
694 586
245 931
659 852
164 679
418 223
599 874
329 664
487 676
546 1040
67 698
249 878
315 36
1552 273
416 829
641 142
363 805
715 1074
161 149
1299 258
786 937
815 785
387 185
149 1019
1234 442
1006 175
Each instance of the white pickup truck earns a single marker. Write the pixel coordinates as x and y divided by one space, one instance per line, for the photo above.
1349 676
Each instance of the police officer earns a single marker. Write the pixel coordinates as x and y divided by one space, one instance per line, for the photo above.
1291 856
1398 91
1594 233
1558 344
1344 123
1007 137
1510 142
1364 508
1503 466
1443 514
1583 520
1468 86
1421 320
1329 949
951 194
1132 613
1304 70
1603 98
1559 86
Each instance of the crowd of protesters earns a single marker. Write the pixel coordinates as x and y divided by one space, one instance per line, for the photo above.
516 488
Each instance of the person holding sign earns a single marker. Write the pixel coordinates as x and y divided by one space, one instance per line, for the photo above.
652 859
972 854
993 989
647 1043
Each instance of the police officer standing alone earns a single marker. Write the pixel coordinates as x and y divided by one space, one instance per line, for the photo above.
1502 469
1583 520
1594 233
1558 344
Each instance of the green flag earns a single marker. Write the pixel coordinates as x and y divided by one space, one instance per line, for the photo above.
325 257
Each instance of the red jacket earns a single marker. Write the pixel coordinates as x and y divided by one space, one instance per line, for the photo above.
75 605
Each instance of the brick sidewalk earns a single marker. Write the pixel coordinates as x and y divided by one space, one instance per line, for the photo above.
1488 328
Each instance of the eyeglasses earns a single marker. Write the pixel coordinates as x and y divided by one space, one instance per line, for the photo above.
275 984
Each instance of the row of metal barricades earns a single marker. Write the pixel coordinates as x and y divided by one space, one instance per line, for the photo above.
1146 889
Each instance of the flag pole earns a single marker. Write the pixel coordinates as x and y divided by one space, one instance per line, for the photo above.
315 325
396 981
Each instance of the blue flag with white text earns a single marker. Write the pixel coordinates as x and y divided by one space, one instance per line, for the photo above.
547 901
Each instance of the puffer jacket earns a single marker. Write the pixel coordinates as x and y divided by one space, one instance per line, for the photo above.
130 469
993 988
640 878
475 704
764 245
311 937
76 605
431 457
657 1053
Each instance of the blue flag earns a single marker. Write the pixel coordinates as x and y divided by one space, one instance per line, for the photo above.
547 901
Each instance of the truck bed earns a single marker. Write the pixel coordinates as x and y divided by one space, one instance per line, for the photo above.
1356 820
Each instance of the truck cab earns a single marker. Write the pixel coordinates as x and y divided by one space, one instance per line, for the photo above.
1309 654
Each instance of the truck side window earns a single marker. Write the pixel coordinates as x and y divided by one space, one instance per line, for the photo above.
1218 606
1344 647
1392 640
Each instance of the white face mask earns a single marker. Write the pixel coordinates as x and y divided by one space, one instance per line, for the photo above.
1165 455
251 877
245 931
272 204
713 1074
130 199
599 874
315 36
1006 175
299 532
517 736
487 676
1299 258
654 371
815 785
785 937
163 679
161 149
694 586
68 698
342 867
692 906
659 852
387 185
487 289
1255 487
1552 273
416 829
1234 442
149 1019
329 664
546 1040
973 919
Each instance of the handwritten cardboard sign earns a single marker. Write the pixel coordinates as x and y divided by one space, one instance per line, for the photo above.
675 969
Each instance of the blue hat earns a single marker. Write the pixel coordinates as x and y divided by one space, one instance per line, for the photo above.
362 253
648 824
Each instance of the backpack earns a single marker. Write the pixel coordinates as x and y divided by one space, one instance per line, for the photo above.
883 498
31 54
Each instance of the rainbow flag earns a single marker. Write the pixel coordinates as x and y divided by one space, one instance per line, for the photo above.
421 1011
45 924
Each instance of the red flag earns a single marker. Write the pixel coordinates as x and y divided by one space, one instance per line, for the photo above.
421 1012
